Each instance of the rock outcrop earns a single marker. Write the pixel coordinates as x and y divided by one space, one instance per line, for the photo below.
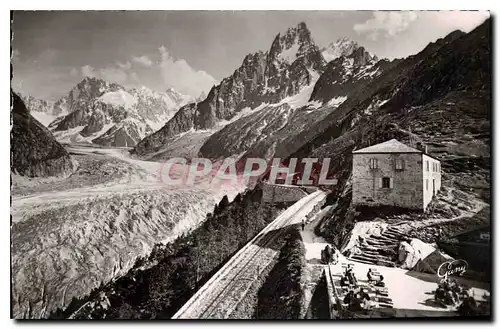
98 109
34 151
263 77
440 97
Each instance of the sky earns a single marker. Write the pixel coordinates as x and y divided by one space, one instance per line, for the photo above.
193 50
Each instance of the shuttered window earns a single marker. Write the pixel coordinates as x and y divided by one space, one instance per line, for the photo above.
386 182
400 164
427 165
373 163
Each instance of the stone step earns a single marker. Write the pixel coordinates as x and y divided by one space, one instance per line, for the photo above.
369 247
373 260
387 238
375 255
392 235
368 260
378 243
395 230
369 252
384 305
388 241
374 240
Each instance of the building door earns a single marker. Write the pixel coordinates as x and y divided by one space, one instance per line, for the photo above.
433 187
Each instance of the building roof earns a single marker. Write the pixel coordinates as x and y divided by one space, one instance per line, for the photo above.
391 146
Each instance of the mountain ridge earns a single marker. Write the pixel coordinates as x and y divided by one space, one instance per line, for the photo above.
264 77
94 110
34 150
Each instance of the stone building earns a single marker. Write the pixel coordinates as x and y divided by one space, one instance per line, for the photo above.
394 174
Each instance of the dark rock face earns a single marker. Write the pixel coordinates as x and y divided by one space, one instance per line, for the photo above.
261 133
341 47
84 106
125 134
94 124
440 96
182 121
345 74
39 105
80 98
95 103
34 151
264 77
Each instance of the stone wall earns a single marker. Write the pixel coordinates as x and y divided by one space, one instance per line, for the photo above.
282 193
406 185
431 178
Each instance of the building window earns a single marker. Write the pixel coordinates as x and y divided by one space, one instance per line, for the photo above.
427 184
484 236
373 164
427 165
386 182
399 164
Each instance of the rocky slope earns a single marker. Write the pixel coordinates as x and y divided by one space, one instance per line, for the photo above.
341 47
42 110
264 77
34 151
346 73
440 96
261 133
109 114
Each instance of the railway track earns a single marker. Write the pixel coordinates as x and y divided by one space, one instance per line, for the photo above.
220 296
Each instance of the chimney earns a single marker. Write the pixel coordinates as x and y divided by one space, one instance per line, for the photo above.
422 147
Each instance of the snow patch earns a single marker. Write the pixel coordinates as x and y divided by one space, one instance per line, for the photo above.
341 47
374 107
44 118
119 98
302 97
337 101
290 55
241 114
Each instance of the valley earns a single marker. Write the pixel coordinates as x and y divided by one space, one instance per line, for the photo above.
75 233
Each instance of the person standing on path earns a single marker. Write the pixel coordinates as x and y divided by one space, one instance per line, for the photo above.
303 225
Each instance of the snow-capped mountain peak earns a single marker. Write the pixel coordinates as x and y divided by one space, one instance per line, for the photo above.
118 98
295 43
110 114
201 97
341 47
41 109
177 97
